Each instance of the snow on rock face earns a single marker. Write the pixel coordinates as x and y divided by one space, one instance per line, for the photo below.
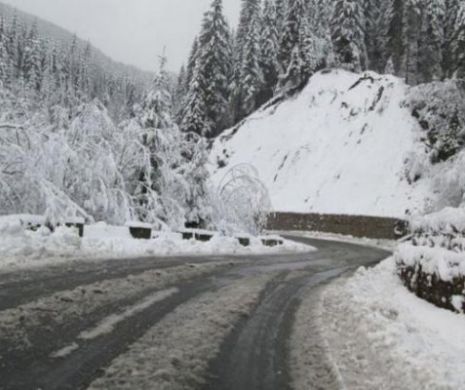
340 146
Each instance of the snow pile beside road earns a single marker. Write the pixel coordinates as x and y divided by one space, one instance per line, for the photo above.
379 335
432 262
20 247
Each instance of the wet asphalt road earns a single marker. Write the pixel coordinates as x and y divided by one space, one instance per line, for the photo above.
253 356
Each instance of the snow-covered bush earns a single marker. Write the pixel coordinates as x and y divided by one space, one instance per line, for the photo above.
439 108
241 201
64 173
432 262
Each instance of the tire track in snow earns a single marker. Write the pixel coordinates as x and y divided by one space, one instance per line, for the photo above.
27 347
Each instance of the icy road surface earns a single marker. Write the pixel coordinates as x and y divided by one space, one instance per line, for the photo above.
184 323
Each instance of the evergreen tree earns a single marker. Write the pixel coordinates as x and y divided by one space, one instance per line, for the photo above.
215 65
431 41
249 11
396 45
251 76
281 11
4 57
292 32
155 120
180 93
376 32
244 46
453 45
269 46
348 35
412 27
32 61
195 115
191 63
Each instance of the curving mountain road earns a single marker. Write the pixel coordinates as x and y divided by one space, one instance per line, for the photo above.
175 323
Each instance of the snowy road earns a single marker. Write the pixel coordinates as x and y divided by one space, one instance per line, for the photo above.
175 323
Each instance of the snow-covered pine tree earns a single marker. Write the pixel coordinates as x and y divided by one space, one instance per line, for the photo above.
155 120
180 93
247 24
376 32
292 33
348 35
251 76
281 11
295 48
191 63
32 61
194 170
396 42
215 65
249 10
431 41
4 57
453 47
269 46
195 118
412 26
318 34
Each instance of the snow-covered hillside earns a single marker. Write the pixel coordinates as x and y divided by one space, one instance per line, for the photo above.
341 146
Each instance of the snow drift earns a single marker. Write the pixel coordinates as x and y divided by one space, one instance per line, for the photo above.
346 144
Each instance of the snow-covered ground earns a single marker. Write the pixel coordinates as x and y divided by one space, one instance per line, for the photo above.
380 336
21 248
341 146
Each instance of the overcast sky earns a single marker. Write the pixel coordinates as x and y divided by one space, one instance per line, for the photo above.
131 31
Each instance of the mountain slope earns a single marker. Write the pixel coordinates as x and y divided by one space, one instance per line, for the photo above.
340 146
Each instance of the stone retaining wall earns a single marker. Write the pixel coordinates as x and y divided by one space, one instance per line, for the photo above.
357 226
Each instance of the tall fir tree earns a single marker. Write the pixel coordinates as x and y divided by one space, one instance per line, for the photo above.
32 61
412 26
4 57
431 41
269 46
249 10
453 45
291 32
155 120
251 76
195 115
396 44
191 63
376 32
215 59
348 36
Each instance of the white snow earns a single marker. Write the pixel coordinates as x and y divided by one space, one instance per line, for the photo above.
437 244
332 149
379 335
21 248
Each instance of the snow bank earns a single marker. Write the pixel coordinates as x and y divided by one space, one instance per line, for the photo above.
447 221
20 247
437 245
341 146
381 336
432 262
